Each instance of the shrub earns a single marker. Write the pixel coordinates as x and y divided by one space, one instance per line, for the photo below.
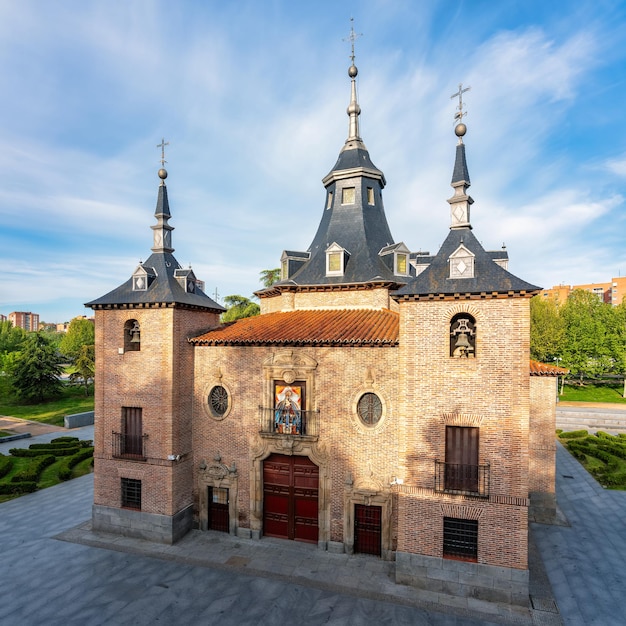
32 472
66 466
11 489
574 434
27 452
6 463
65 439
57 445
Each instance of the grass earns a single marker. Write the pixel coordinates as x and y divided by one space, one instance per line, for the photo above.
73 400
594 393
602 455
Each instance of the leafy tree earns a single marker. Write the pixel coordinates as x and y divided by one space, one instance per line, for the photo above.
238 307
81 332
84 367
546 329
11 338
269 277
36 369
593 336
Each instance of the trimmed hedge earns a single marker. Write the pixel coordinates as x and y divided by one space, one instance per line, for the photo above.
33 470
65 439
573 434
58 445
6 463
66 466
28 452
16 489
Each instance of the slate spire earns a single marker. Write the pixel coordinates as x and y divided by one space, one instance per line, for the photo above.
162 230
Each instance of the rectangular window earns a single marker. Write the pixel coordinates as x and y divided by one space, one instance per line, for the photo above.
370 195
131 493
329 202
348 195
460 539
461 459
401 264
132 431
334 262
284 270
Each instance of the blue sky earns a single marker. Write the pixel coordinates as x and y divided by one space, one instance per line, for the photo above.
252 97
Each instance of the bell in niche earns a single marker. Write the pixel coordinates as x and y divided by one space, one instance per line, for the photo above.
462 347
135 333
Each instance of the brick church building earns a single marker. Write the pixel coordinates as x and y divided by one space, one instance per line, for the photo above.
383 402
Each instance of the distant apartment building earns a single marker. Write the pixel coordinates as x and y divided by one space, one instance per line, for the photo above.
27 321
612 292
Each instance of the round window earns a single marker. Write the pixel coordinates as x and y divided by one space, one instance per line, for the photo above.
218 401
369 408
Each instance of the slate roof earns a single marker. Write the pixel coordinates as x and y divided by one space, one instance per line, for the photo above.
308 328
164 289
488 278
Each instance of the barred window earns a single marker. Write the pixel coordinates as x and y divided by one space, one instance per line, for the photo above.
369 408
460 538
131 493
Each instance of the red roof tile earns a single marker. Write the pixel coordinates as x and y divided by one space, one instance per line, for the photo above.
320 327
543 369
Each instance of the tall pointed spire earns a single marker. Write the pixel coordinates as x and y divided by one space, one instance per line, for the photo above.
353 110
460 202
162 230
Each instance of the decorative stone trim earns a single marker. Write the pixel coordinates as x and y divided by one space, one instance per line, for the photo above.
217 474
217 379
369 386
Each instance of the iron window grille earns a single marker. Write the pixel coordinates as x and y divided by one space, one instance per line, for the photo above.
131 446
131 493
460 539
468 480
303 423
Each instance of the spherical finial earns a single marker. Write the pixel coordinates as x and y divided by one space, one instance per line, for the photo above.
162 173
460 130
352 71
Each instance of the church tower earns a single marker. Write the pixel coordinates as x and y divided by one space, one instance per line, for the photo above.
464 366
144 381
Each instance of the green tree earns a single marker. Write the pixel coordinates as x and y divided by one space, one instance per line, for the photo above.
84 367
546 329
593 337
81 332
269 277
36 370
11 340
238 307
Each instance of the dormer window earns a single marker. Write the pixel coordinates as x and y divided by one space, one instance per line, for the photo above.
396 258
186 279
401 264
284 269
335 260
348 195
461 263
142 278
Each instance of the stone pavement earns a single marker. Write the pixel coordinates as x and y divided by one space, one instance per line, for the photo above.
56 570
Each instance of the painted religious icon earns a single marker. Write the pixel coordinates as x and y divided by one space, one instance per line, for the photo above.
288 409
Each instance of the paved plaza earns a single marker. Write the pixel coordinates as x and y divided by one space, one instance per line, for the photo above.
55 570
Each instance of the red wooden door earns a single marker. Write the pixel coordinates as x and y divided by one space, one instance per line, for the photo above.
290 498
367 529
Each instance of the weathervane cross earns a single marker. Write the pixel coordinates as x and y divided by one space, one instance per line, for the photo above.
162 146
352 37
459 94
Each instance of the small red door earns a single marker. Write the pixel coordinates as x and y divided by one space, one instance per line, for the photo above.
367 529
290 498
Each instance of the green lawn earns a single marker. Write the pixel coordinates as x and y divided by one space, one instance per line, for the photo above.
594 393
72 401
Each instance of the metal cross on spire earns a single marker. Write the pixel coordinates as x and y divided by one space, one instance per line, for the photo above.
458 116
352 37
162 146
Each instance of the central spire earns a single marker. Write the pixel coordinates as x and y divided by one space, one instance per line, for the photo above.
354 110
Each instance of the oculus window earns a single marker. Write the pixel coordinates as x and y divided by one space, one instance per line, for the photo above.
218 401
369 409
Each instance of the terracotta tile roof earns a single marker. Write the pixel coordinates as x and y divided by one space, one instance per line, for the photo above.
320 327
543 369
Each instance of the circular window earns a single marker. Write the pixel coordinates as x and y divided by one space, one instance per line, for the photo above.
218 401
369 408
